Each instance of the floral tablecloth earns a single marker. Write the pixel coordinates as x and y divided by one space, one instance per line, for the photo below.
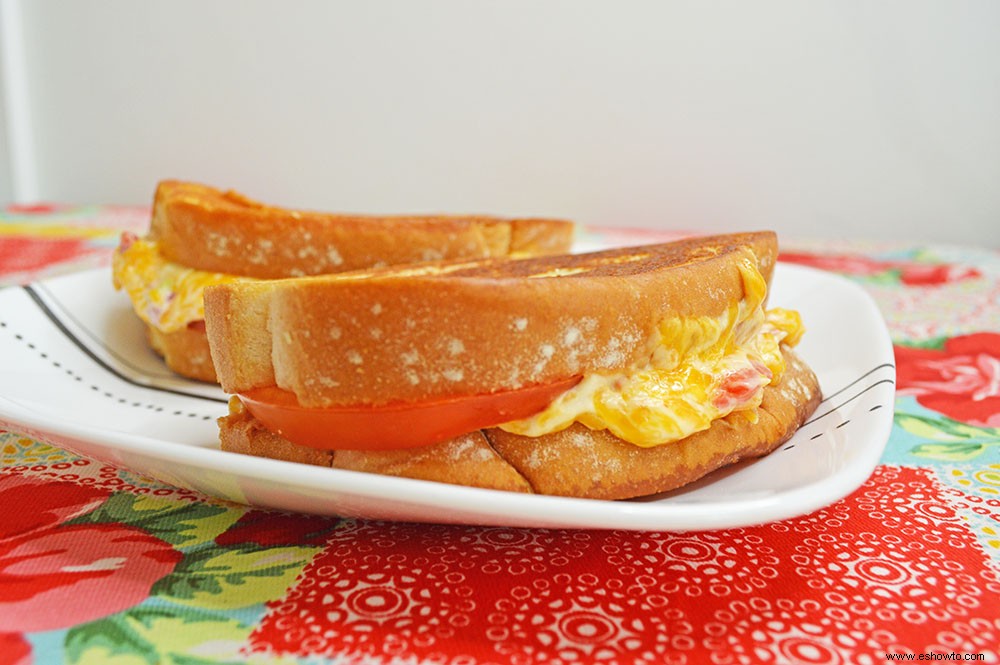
101 565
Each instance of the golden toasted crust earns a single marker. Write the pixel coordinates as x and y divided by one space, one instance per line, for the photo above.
184 351
538 237
575 462
471 328
468 458
246 315
223 231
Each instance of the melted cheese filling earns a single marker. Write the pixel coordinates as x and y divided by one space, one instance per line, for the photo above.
699 369
165 295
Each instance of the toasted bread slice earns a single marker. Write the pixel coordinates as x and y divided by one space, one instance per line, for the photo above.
577 462
214 231
461 329
184 351
223 231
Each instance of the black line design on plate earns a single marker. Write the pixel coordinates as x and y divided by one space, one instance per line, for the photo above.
65 314
827 398
97 389
33 294
848 400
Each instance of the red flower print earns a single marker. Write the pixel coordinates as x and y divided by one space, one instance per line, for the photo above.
31 505
845 263
14 650
48 567
268 529
922 274
24 253
960 380
41 208
911 273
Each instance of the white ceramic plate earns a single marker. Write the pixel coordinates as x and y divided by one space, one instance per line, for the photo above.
75 371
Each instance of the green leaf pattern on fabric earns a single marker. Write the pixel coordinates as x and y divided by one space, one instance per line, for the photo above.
202 612
157 637
236 577
183 525
947 440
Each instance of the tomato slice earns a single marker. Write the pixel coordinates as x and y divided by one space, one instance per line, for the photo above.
395 425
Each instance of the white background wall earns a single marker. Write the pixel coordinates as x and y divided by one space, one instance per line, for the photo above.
825 118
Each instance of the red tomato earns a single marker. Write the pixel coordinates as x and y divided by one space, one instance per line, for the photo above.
396 425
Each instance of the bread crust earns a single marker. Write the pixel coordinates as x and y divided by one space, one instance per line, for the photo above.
223 231
492 326
576 462
245 317
184 351
468 457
